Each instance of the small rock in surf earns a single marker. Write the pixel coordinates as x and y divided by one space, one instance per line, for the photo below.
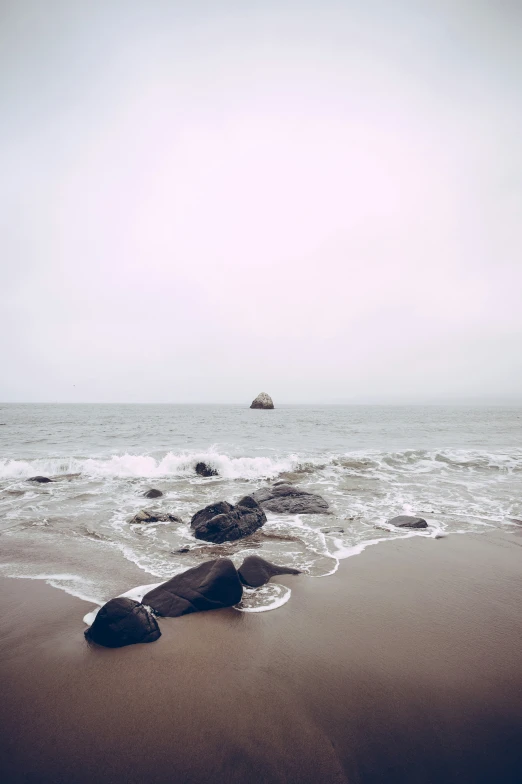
146 516
40 479
407 521
153 493
289 499
202 469
255 571
262 401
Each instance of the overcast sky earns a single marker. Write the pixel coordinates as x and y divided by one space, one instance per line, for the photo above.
203 200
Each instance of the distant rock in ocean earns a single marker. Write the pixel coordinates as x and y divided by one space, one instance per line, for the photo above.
202 469
40 479
146 516
262 401
123 622
223 522
406 521
288 499
209 586
153 493
255 571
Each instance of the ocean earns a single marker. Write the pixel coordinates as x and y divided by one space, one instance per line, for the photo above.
458 467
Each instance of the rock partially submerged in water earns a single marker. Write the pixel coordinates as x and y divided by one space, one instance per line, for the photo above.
202 469
146 516
335 529
223 522
210 586
262 401
407 521
289 499
153 493
255 571
40 479
123 622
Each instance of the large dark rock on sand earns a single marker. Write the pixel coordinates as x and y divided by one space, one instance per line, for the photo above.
153 493
210 586
255 571
223 522
122 622
202 469
288 499
406 521
40 479
146 516
262 401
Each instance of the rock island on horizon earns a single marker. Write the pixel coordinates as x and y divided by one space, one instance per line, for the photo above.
262 401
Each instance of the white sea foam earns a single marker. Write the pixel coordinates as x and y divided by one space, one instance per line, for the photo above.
147 467
262 467
72 584
139 592
268 597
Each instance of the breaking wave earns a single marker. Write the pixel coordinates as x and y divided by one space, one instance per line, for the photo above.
261 467
146 466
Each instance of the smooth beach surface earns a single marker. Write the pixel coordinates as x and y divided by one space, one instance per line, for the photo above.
404 666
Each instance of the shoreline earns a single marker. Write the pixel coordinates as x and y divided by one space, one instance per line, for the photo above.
404 666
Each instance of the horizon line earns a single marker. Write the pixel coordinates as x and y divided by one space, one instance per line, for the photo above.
441 402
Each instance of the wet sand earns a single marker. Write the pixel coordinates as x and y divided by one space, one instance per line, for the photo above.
405 666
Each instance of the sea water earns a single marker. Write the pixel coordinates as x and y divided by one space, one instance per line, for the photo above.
458 467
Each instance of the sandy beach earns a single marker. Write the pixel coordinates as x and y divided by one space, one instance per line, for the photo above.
405 666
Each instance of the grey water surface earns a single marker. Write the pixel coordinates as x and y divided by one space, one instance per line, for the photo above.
458 467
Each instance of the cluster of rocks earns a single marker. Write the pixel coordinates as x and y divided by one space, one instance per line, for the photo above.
210 586
224 522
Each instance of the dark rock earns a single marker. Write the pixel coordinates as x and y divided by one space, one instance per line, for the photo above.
334 530
206 514
122 622
40 479
146 516
262 401
210 586
202 469
406 521
223 522
182 550
288 499
255 571
153 493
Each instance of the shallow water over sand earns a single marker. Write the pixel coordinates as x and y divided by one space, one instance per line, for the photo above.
459 468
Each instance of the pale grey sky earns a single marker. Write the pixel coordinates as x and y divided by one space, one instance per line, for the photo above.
204 200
